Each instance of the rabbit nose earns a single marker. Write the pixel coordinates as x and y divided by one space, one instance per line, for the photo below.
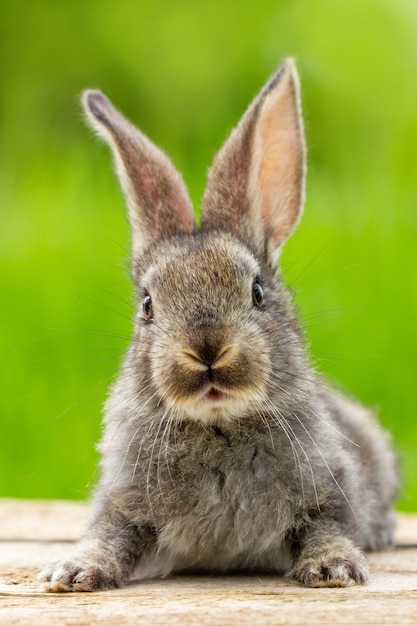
205 356
208 354
209 343
211 357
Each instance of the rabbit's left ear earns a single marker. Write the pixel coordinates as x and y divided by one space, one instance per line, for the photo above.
256 183
158 202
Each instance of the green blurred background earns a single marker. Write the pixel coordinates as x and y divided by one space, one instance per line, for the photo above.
184 71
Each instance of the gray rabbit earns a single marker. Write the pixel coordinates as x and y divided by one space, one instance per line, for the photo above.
223 451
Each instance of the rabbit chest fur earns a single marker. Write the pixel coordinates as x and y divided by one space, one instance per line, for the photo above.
222 449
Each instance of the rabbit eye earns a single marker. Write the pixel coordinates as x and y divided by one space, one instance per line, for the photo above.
257 294
147 307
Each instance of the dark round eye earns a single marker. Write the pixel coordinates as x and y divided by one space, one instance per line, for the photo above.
147 307
258 294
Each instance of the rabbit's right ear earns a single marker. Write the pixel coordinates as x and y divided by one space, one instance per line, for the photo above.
256 183
158 202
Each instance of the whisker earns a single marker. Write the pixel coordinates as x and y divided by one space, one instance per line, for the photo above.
284 425
325 462
334 429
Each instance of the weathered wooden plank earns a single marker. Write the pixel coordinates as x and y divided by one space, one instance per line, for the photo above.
32 533
42 519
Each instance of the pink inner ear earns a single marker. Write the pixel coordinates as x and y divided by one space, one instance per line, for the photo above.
278 161
256 182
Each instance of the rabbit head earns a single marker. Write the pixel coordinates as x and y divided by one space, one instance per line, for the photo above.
215 335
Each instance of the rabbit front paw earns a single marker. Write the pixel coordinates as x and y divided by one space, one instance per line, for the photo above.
76 576
334 572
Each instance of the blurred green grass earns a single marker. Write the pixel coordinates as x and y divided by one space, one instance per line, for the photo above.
185 72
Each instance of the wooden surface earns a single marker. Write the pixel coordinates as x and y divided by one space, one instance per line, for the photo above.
32 533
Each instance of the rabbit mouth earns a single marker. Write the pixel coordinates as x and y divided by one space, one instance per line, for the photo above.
211 404
214 394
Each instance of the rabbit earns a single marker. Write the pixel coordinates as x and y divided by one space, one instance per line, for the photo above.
223 450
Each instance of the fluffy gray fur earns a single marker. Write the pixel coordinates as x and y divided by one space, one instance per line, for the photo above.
223 450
